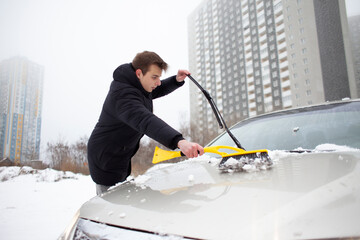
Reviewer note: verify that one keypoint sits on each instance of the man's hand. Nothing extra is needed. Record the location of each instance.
(181, 75)
(190, 149)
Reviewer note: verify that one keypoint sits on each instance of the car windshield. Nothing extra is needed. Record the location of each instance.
(303, 128)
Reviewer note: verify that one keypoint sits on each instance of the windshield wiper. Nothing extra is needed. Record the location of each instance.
(216, 111)
(301, 151)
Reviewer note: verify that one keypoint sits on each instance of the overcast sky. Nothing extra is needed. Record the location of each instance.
(81, 42)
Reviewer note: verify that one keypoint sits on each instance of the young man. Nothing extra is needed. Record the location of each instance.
(127, 115)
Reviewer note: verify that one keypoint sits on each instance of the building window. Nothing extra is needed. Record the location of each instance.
(276, 93)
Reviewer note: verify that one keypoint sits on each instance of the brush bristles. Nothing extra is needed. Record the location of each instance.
(246, 162)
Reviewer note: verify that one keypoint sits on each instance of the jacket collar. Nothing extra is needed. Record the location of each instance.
(125, 73)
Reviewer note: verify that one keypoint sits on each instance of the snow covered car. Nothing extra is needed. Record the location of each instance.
(312, 190)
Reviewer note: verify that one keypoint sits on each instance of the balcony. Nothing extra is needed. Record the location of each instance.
(286, 93)
(252, 105)
(267, 90)
(266, 81)
(284, 64)
(251, 88)
(283, 55)
(262, 39)
(281, 36)
(284, 74)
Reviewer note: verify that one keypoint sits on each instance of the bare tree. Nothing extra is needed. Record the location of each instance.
(67, 157)
(78, 151)
(58, 153)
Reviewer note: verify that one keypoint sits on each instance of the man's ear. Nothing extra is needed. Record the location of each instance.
(138, 73)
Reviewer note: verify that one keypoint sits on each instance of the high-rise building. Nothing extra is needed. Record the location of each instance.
(257, 56)
(21, 88)
(354, 34)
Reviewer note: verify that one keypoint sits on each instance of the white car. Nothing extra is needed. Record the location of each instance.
(311, 191)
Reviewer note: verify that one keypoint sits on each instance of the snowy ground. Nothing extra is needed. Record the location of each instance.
(39, 205)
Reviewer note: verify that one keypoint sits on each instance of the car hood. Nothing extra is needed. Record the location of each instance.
(309, 195)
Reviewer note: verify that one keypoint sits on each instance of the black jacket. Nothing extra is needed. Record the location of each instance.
(125, 117)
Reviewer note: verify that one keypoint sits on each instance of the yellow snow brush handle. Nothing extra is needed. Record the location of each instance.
(161, 155)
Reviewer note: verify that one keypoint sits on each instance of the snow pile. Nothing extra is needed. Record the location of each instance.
(262, 162)
(141, 180)
(334, 147)
(46, 175)
(42, 202)
(213, 161)
(246, 164)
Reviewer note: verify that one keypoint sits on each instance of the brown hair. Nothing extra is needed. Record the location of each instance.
(144, 59)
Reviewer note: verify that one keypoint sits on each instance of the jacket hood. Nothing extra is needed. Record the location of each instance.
(125, 73)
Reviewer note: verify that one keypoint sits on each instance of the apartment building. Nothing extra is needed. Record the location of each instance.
(258, 56)
(354, 35)
(21, 88)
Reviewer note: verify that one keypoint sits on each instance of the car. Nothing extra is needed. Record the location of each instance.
(310, 190)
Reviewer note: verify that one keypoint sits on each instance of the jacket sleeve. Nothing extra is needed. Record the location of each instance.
(130, 109)
(167, 86)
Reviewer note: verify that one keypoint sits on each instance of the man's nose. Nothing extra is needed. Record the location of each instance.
(158, 83)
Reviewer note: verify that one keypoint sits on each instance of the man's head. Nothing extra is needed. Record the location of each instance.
(148, 68)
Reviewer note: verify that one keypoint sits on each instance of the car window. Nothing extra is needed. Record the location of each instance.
(304, 128)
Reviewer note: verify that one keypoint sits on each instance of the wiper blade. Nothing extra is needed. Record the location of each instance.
(216, 111)
(301, 151)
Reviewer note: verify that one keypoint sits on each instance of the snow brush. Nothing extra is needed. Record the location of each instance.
(243, 156)
(161, 155)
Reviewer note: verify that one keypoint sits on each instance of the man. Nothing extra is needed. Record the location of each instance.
(127, 115)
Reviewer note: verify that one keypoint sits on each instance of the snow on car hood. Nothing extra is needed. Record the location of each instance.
(310, 195)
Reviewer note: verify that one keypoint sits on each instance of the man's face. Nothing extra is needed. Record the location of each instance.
(151, 79)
